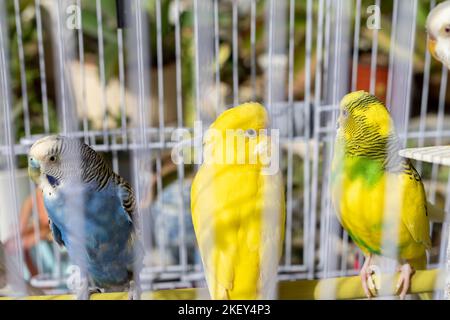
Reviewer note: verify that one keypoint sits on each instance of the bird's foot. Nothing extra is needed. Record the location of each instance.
(404, 280)
(370, 281)
(81, 287)
(84, 291)
(78, 282)
(134, 292)
(85, 294)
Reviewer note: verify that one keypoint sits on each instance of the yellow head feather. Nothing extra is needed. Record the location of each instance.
(246, 116)
(228, 139)
(362, 111)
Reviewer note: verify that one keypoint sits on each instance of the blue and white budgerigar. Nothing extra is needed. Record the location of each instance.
(91, 212)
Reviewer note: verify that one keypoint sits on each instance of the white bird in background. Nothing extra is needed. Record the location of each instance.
(438, 29)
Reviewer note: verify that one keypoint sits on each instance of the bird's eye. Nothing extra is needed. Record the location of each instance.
(344, 113)
(251, 133)
(447, 29)
(52, 158)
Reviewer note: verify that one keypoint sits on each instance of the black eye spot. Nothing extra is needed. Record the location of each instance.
(345, 113)
(250, 133)
(52, 158)
(447, 29)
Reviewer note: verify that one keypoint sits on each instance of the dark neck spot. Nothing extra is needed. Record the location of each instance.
(53, 181)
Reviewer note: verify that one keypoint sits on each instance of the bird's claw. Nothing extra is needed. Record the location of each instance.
(134, 292)
(404, 280)
(370, 282)
(84, 291)
(85, 294)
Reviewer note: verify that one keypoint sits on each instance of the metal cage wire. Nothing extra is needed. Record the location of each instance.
(138, 144)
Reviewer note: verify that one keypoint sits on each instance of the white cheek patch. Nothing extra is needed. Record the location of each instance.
(47, 189)
(443, 51)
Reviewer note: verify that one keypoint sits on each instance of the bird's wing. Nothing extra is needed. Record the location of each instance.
(207, 208)
(126, 195)
(228, 208)
(128, 200)
(273, 233)
(56, 233)
(415, 215)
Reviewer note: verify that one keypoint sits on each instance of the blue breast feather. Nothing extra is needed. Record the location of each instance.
(101, 245)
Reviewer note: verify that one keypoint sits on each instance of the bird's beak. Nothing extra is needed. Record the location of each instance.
(34, 169)
(432, 46)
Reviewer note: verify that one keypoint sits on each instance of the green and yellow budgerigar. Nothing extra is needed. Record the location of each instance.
(238, 210)
(378, 196)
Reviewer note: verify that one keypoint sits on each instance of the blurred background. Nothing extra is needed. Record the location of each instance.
(124, 79)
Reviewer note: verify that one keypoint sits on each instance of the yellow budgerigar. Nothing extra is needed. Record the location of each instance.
(238, 208)
(378, 196)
